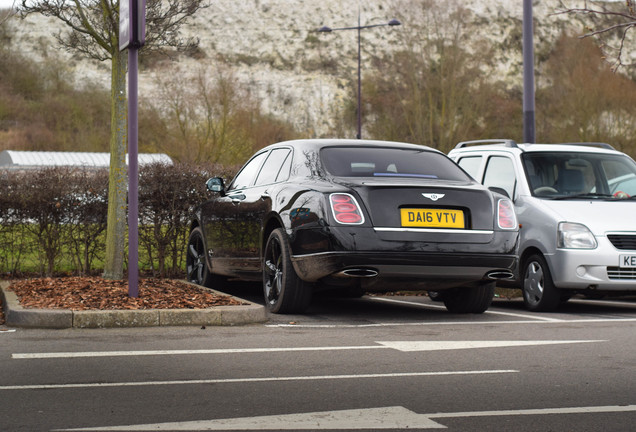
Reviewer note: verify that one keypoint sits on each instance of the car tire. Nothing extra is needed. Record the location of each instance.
(466, 300)
(197, 270)
(283, 290)
(539, 292)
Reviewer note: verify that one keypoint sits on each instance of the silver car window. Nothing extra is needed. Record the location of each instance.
(500, 173)
(471, 165)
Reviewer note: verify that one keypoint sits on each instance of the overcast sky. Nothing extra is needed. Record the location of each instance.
(5, 4)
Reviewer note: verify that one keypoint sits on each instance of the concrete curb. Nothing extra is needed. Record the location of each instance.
(18, 316)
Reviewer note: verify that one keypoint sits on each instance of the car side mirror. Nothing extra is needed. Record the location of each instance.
(499, 190)
(216, 184)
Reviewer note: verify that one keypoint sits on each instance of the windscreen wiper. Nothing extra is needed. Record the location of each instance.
(584, 196)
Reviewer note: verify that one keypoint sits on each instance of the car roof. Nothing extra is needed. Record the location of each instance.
(319, 143)
(481, 145)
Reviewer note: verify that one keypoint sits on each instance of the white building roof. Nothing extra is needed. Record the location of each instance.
(39, 159)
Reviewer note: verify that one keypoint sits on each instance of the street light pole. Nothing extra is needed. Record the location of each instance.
(529, 133)
(359, 134)
(359, 28)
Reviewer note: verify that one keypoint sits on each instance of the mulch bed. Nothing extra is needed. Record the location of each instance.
(85, 293)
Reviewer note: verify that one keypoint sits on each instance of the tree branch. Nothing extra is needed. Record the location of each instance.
(626, 18)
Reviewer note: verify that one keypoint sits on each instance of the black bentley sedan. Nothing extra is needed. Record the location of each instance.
(354, 216)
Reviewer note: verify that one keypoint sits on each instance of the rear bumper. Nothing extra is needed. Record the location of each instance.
(456, 257)
(434, 267)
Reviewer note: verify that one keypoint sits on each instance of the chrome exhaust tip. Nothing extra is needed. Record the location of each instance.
(499, 274)
(358, 273)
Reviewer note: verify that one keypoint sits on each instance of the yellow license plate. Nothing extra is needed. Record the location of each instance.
(432, 218)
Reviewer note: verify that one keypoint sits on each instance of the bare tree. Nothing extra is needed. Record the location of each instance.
(608, 21)
(572, 109)
(432, 90)
(212, 117)
(92, 30)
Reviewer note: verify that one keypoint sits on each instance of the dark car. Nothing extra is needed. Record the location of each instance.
(354, 216)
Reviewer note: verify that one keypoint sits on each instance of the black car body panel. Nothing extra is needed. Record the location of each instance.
(378, 242)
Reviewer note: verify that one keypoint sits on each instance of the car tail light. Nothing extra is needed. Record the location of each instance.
(345, 209)
(506, 217)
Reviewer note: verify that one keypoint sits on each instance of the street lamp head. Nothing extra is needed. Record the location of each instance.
(325, 29)
(394, 22)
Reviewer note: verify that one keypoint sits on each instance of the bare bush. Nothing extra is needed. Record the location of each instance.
(167, 197)
(41, 205)
(12, 240)
(86, 212)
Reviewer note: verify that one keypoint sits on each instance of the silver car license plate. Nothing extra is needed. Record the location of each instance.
(627, 261)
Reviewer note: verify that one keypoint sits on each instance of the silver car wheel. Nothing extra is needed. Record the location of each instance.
(539, 292)
(533, 284)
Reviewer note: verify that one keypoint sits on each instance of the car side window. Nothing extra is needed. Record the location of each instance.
(500, 173)
(283, 174)
(620, 175)
(245, 177)
(272, 166)
(471, 165)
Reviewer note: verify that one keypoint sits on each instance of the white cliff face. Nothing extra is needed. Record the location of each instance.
(298, 74)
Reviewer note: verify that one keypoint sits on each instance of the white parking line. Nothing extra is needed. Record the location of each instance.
(454, 323)
(396, 345)
(253, 380)
(540, 411)
(524, 316)
(624, 304)
(382, 418)
(490, 312)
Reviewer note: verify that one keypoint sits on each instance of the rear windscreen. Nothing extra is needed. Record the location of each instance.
(389, 162)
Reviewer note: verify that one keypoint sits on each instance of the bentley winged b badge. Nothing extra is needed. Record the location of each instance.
(433, 196)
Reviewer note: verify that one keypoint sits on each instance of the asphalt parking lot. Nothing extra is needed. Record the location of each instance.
(418, 310)
(375, 363)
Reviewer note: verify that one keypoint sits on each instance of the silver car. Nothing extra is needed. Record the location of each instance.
(576, 205)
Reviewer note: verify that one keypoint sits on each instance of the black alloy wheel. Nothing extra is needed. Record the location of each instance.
(283, 290)
(196, 266)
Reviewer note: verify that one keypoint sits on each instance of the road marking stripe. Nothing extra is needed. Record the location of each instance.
(525, 316)
(418, 304)
(624, 304)
(538, 411)
(413, 346)
(252, 380)
(393, 417)
(456, 323)
(51, 355)
(396, 345)
(491, 312)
